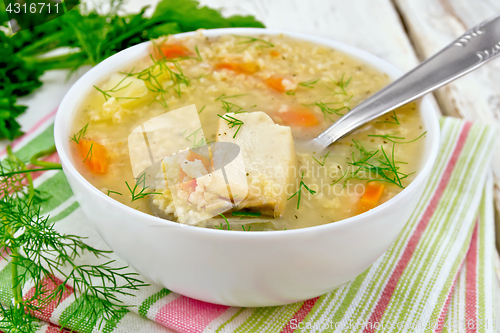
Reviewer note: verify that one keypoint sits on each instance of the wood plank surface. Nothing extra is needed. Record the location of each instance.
(432, 24)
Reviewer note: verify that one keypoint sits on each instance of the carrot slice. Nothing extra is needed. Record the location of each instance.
(275, 83)
(171, 51)
(299, 116)
(241, 68)
(371, 197)
(94, 156)
(274, 53)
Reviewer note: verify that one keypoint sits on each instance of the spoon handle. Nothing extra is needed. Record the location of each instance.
(473, 49)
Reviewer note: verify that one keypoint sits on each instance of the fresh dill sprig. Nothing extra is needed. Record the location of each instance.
(299, 191)
(38, 252)
(290, 92)
(327, 110)
(248, 229)
(201, 110)
(394, 117)
(79, 135)
(231, 107)
(196, 143)
(227, 222)
(342, 84)
(338, 180)
(250, 39)
(162, 66)
(309, 83)
(110, 191)
(384, 168)
(232, 122)
(395, 139)
(245, 214)
(324, 159)
(107, 93)
(199, 58)
(223, 96)
(141, 182)
(89, 153)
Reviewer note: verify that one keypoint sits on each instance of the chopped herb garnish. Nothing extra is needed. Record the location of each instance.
(394, 117)
(324, 159)
(107, 93)
(250, 39)
(232, 122)
(309, 83)
(223, 96)
(89, 154)
(141, 181)
(198, 53)
(385, 167)
(151, 74)
(299, 191)
(80, 134)
(201, 110)
(231, 107)
(327, 110)
(395, 139)
(109, 192)
(342, 84)
(290, 92)
(196, 143)
(249, 214)
(335, 182)
(248, 229)
(227, 222)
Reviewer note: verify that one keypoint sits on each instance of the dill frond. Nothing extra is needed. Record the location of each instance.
(79, 135)
(299, 191)
(232, 122)
(309, 83)
(249, 40)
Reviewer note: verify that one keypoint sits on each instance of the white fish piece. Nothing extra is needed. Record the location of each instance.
(269, 160)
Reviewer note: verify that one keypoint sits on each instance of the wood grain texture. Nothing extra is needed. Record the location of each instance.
(432, 24)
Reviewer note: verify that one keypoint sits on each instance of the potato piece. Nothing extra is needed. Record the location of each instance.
(269, 157)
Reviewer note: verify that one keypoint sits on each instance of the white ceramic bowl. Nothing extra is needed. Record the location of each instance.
(242, 268)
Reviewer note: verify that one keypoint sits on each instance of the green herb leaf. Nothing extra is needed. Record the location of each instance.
(247, 214)
(308, 84)
(299, 191)
(324, 159)
(232, 122)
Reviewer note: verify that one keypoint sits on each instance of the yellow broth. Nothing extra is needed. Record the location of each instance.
(324, 82)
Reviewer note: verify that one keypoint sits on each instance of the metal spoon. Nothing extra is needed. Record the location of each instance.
(470, 51)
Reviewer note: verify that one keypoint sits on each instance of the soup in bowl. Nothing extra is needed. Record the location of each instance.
(185, 153)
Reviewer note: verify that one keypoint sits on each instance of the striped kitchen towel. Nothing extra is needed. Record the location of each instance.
(437, 277)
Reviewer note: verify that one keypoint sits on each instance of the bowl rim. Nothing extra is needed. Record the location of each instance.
(121, 59)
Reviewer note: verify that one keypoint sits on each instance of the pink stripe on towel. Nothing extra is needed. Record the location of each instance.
(188, 315)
